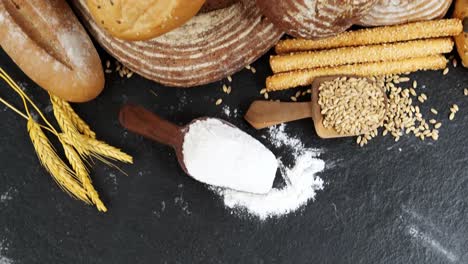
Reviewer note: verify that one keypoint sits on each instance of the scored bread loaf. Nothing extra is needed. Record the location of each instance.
(45, 39)
(386, 12)
(207, 48)
(142, 19)
(314, 18)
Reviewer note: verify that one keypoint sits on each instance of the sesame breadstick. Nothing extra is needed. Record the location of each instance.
(286, 80)
(350, 55)
(377, 35)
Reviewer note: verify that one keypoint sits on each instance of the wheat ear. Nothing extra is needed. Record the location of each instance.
(86, 145)
(103, 149)
(82, 173)
(76, 120)
(67, 127)
(61, 173)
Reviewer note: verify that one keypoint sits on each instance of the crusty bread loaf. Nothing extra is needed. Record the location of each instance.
(314, 18)
(142, 19)
(207, 48)
(386, 12)
(45, 39)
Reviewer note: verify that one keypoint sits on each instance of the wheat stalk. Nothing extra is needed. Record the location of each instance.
(77, 139)
(86, 145)
(68, 111)
(82, 173)
(61, 173)
(63, 121)
(67, 127)
(103, 149)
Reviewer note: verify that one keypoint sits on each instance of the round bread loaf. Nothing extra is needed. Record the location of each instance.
(142, 19)
(386, 12)
(314, 18)
(211, 5)
(45, 39)
(207, 48)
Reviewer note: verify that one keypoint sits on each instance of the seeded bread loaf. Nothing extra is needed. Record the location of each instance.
(314, 18)
(142, 19)
(45, 39)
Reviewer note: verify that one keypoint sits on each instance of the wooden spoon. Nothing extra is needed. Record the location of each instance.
(145, 123)
(262, 114)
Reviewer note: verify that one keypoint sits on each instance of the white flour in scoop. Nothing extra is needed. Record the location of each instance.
(301, 181)
(222, 155)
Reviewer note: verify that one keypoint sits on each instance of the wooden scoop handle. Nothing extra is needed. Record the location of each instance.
(263, 114)
(143, 122)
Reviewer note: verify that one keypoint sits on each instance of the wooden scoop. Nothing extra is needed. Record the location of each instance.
(262, 114)
(145, 123)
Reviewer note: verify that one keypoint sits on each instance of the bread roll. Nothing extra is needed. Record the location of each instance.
(142, 19)
(45, 39)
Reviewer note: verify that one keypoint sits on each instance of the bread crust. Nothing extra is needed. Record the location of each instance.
(45, 39)
(314, 18)
(211, 5)
(208, 48)
(143, 19)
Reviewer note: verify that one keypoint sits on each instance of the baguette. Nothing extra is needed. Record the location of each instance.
(45, 39)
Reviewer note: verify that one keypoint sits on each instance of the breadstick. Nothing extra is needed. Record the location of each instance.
(350, 55)
(286, 80)
(377, 35)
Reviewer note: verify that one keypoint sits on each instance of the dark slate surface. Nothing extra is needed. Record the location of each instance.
(403, 202)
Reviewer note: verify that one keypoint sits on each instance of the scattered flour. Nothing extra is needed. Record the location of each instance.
(183, 100)
(75, 46)
(163, 207)
(226, 110)
(230, 113)
(113, 180)
(5, 260)
(279, 138)
(179, 201)
(6, 196)
(49, 108)
(3, 250)
(437, 238)
(301, 181)
(23, 86)
(431, 242)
